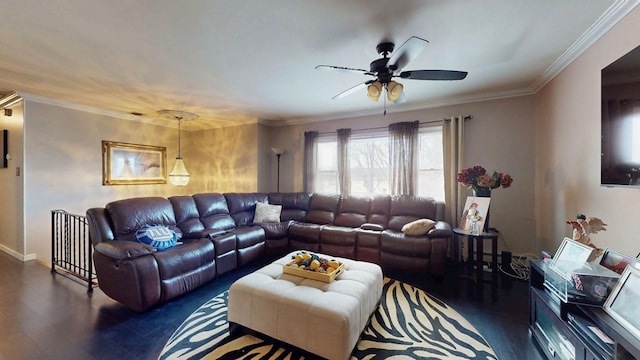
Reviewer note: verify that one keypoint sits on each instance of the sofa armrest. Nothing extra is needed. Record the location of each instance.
(122, 249)
(441, 229)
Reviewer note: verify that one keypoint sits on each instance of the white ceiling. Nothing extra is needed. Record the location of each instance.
(233, 62)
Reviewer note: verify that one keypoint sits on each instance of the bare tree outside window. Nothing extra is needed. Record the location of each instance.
(370, 166)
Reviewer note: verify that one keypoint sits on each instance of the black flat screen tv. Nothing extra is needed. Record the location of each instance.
(620, 131)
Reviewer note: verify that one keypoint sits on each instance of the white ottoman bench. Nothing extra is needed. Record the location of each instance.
(325, 319)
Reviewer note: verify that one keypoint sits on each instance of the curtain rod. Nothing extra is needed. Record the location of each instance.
(466, 117)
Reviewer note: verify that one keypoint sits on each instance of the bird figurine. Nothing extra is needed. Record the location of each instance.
(583, 227)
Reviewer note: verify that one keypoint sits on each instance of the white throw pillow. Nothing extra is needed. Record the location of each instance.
(266, 213)
(419, 227)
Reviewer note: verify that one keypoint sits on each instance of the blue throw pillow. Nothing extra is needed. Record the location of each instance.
(158, 236)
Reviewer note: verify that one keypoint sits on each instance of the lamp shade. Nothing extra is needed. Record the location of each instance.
(373, 90)
(394, 90)
(179, 175)
(278, 151)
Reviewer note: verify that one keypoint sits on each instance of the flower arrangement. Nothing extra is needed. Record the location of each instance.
(477, 179)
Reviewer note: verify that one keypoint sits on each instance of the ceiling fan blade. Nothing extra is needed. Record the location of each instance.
(342, 68)
(433, 75)
(407, 52)
(352, 90)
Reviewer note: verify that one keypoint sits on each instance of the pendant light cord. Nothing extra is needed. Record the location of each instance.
(179, 134)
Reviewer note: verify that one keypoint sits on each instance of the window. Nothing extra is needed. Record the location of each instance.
(327, 174)
(369, 161)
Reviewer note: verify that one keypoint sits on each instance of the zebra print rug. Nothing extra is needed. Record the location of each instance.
(408, 324)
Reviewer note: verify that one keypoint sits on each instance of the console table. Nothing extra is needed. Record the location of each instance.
(558, 338)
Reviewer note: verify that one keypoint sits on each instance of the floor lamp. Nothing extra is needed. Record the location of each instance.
(278, 152)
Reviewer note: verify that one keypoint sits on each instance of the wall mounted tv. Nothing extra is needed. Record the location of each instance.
(620, 131)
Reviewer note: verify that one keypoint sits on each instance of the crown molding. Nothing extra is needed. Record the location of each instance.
(447, 101)
(605, 22)
(79, 107)
(9, 100)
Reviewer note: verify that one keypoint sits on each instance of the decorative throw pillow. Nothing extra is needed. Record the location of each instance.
(267, 213)
(419, 227)
(158, 236)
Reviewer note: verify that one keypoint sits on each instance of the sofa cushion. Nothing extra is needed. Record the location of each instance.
(294, 205)
(187, 216)
(352, 211)
(158, 236)
(242, 206)
(322, 209)
(267, 213)
(405, 209)
(129, 215)
(418, 227)
(213, 210)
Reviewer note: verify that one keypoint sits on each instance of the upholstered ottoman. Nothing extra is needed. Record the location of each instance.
(325, 319)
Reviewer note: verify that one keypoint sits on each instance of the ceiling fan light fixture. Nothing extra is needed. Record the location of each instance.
(374, 90)
(394, 90)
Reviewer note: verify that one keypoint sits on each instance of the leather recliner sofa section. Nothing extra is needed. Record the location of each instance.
(219, 236)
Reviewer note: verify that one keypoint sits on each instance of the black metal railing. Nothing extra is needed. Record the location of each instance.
(71, 247)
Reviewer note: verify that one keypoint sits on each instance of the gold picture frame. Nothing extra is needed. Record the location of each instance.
(133, 164)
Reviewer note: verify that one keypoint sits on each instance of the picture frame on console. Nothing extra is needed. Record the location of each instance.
(622, 304)
(133, 164)
(571, 250)
(616, 261)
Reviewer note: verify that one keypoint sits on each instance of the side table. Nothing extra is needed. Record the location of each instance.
(478, 259)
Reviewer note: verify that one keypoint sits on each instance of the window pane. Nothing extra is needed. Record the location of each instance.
(327, 179)
(369, 159)
(327, 155)
(431, 164)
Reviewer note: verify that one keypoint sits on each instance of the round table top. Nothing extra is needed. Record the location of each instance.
(488, 234)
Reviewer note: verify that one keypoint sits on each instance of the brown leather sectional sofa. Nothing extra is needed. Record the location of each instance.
(218, 236)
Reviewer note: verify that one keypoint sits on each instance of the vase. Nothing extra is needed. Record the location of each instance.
(484, 192)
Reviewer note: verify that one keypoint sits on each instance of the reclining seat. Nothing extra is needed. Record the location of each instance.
(305, 235)
(294, 208)
(426, 253)
(250, 238)
(215, 218)
(136, 274)
(339, 239)
(368, 236)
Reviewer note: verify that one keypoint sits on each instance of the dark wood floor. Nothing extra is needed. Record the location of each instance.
(48, 316)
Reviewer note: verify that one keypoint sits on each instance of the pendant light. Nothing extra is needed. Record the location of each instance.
(179, 175)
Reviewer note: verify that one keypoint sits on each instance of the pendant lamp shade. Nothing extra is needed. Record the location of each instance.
(179, 175)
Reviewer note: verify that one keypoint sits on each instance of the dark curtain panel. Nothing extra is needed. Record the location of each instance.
(310, 160)
(403, 157)
(344, 168)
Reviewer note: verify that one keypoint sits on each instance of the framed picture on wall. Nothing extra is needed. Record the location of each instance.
(127, 164)
(622, 304)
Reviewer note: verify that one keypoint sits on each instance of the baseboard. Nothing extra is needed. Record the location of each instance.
(16, 254)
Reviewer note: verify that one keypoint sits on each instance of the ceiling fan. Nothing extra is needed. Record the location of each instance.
(386, 68)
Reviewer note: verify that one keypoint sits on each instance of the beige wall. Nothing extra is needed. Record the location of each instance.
(500, 137)
(63, 165)
(11, 215)
(223, 160)
(567, 167)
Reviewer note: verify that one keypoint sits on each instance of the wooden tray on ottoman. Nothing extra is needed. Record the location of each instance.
(287, 269)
